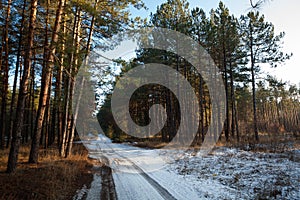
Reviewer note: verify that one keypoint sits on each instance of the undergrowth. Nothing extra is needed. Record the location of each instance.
(52, 178)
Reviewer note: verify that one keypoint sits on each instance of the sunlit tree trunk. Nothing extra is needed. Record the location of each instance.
(57, 118)
(88, 46)
(67, 121)
(33, 158)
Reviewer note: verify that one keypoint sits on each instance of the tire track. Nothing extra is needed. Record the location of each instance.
(160, 189)
(108, 190)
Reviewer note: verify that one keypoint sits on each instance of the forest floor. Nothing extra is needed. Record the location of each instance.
(52, 178)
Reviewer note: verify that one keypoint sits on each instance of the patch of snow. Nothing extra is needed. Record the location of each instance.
(80, 193)
(95, 191)
(229, 173)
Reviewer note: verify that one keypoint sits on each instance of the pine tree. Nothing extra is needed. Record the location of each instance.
(264, 47)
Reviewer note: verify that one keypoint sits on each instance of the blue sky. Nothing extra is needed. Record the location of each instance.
(284, 14)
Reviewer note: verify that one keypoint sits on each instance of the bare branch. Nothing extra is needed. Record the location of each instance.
(257, 4)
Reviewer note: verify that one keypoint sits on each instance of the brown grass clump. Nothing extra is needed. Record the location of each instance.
(52, 178)
(268, 143)
(150, 144)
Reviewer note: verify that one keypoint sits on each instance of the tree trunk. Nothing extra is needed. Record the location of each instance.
(201, 88)
(68, 90)
(253, 85)
(57, 124)
(32, 101)
(5, 77)
(33, 158)
(2, 136)
(18, 124)
(235, 125)
(226, 127)
(254, 104)
(69, 148)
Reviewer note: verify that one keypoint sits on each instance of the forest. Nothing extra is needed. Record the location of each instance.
(44, 43)
(256, 103)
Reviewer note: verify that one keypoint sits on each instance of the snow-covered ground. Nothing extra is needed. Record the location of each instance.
(229, 173)
(226, 173)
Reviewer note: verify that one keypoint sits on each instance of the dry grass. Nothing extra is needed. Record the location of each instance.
(271, 143)
(52, 178)
(268, 143)
(150, 144)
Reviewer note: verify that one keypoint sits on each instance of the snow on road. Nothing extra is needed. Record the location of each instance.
(147, 169)
(139, 173)
(177, 174)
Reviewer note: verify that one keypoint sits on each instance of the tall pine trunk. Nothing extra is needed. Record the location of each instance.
(75, 115)
(234, 121)
(33, 157)
(5, 76)
(57, 118)
(253, 85)
(67, 117)
(18, 124)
